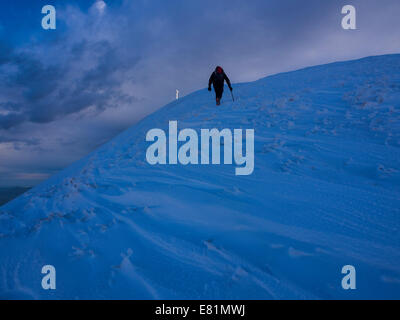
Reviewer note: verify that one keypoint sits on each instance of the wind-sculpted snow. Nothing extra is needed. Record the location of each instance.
(324, 193)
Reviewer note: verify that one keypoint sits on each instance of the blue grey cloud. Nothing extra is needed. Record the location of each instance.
(42, 93)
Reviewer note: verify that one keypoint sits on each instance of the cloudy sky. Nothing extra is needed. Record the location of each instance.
(109, 63)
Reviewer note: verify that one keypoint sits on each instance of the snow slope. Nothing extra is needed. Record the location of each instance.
(324, 194)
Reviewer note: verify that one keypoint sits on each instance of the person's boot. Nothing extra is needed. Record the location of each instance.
(218, 101)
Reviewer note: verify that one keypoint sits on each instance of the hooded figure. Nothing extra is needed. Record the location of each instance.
(217, 79)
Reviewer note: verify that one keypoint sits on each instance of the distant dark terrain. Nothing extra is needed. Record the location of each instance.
(7, 194)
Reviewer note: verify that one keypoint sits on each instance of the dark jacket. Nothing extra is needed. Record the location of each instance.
(218, 78)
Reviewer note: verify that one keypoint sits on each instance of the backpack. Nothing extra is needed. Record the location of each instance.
(218, 79)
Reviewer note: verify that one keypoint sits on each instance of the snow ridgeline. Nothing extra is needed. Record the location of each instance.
(324, 194)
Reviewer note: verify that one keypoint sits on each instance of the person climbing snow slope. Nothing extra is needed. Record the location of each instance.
(217, 79)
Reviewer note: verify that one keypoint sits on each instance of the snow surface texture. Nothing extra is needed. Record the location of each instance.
(324, 194)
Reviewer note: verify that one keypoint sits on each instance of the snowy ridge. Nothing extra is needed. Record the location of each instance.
(324, 194)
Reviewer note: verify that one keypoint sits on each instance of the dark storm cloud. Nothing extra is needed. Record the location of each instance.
(10, 120)
(31, 142)
(42, 93)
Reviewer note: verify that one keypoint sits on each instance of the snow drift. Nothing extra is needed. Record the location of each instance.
(324, 193)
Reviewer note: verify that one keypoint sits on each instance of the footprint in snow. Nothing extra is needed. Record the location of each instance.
(388, 279)
(294, 253)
